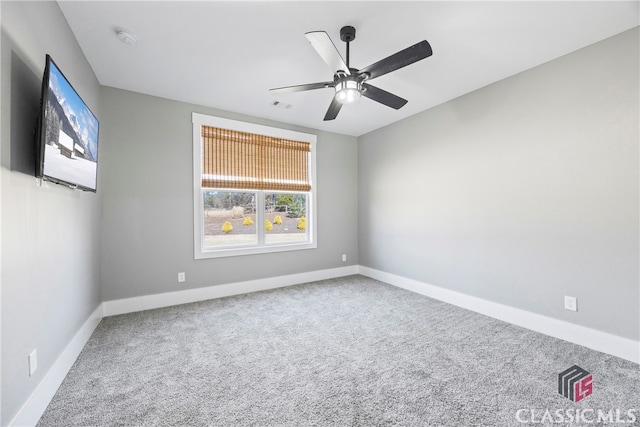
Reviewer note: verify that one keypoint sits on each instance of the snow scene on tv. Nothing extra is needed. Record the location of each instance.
(71, 149)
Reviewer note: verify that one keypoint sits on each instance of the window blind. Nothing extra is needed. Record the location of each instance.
(242, 160)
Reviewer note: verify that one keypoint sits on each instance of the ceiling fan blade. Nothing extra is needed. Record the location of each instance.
(399, 59)
(383, 97)
(334, 109)
(327, 50)
(300, 88)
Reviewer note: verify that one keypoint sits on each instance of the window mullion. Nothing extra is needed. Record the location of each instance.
(260, 217)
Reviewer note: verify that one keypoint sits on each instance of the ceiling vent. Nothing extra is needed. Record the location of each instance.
(282, 105)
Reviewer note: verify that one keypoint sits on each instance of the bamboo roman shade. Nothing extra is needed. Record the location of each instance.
(242, 160)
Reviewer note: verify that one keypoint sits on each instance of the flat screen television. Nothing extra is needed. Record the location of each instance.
(66, 134)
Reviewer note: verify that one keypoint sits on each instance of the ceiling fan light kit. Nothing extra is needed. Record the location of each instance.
(348, 90)
(349, 83)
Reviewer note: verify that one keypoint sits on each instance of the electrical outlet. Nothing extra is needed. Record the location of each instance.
(33, 362)
(181, 277)
(344, 257)
(571, 303)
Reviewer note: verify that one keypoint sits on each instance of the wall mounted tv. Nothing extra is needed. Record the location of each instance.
(66, 134)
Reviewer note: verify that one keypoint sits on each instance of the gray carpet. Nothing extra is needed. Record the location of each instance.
(343, 352)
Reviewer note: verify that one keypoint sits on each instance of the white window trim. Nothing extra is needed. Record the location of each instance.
(200, 252)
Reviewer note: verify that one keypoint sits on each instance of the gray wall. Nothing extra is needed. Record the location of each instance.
(519, 193)
(147, 226)
(50, 235)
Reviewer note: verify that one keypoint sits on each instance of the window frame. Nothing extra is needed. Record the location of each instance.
(200, 252)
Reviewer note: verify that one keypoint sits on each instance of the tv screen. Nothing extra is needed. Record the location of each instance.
(67, 137)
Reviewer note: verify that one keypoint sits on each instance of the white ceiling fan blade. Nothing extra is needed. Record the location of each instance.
(327, 50)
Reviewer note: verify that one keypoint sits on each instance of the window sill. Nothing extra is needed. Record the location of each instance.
(253, 250)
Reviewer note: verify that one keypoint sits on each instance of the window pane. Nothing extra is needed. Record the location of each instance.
(285, 217)
(229, 218)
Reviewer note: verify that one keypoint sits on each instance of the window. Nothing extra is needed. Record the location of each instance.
(254, 188)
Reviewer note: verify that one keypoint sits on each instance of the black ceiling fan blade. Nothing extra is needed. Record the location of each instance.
(399, 59)
(327, 50)
(383, 97)
(334, 109)
(300, 88)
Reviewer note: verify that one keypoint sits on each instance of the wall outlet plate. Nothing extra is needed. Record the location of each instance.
(571, 303)
(181, 277)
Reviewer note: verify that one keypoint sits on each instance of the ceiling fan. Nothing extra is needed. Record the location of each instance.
(349, 83)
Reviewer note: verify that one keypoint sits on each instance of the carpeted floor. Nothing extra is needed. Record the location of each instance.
(344, 352)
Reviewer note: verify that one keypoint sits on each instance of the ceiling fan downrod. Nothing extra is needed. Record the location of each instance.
(347, 35)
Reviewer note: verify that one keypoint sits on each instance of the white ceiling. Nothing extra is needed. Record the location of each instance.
(228, 55)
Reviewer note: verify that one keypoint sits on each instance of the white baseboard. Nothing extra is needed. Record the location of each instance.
(35, 406)
(148, 302)
(604, 342)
